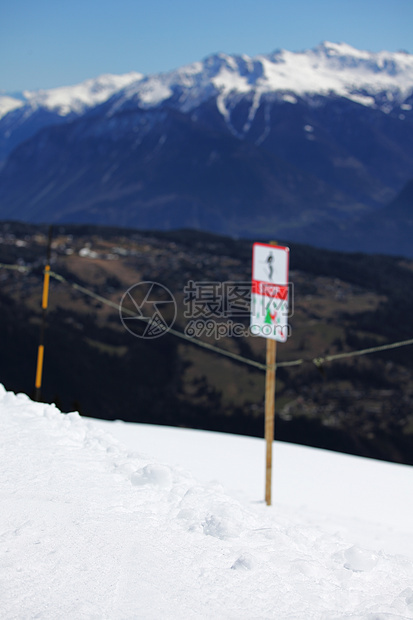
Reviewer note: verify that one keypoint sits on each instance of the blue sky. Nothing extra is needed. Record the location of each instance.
(48, 43)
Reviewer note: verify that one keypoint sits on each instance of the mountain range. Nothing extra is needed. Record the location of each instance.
(313, 146)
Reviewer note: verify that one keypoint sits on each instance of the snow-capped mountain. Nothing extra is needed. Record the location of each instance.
(298, 139)
(382, 79)
(21, 116)
(68, 99)
(328, 69)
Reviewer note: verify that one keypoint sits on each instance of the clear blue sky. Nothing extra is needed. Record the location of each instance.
(48, 43)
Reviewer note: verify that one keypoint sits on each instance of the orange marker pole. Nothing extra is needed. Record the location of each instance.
(45, 299)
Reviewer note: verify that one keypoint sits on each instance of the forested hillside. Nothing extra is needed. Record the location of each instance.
(342, 303)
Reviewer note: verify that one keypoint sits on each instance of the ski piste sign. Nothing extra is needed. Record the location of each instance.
(269, 293)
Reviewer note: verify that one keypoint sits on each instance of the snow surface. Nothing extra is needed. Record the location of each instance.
(90, 530)
(364, 498)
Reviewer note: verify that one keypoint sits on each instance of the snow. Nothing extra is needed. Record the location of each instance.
(89, 529)
(7, 104)
(341, 70)
(229, 80)
(329, 69)
(154, 92)
(367, 499)
(77, 98)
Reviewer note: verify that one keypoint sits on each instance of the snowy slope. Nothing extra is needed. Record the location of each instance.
(364, 498)
(90, 531)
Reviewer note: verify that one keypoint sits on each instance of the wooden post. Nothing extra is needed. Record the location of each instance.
(45, 299)
(269, 413)
(269, 410)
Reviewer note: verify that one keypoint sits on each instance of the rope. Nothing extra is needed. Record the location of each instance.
(317, 361)
(15, 267)
(175, 332)
(84, 290)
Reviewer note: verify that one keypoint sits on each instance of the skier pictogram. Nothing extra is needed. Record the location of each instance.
(269, 261)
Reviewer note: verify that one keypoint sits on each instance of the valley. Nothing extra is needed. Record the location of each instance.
(342, 303)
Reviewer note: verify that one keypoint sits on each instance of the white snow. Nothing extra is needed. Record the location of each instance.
(7, 104)
(229, 80)
(329, 69)
(77, 98)
(338, 69)
(154, 92)
(364, 498)
(90, 530)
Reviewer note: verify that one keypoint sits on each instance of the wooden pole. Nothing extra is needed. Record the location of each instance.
(269, 410)
(269, 414)
(45, 298)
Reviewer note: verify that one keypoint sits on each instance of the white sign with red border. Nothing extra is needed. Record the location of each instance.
(269, 293)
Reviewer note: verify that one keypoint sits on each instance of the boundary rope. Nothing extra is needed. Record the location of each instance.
(15, 267)
(172, 331)
(317, 361)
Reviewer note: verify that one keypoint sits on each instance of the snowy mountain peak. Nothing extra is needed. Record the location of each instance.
(340, 49)
(65, 100)
(346, 51)
(329, 69)
(7, 104)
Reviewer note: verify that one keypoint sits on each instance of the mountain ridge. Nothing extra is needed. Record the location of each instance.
(225, 144)
(375, 70)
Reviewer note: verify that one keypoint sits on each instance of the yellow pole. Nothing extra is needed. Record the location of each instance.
(45, 296)
(45, 299)
(39, 368)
